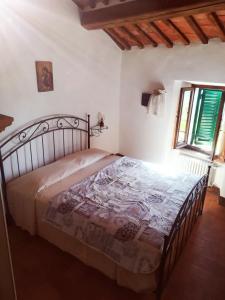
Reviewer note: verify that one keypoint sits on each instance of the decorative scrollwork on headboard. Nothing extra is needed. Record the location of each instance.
(51, 132)
(27, 134)
(43, 126)
(62, 122)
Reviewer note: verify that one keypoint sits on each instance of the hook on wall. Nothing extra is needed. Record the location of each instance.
(154, 100)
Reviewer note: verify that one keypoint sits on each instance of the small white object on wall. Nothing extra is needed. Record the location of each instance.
(157, 101)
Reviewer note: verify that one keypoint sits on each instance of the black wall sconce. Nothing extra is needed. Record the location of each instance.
(145, 99)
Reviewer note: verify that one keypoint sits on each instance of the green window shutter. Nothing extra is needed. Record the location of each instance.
(207, 110)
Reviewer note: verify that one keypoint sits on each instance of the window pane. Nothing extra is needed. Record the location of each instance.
(184, 117)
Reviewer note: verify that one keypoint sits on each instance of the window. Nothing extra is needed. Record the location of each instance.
(199, 118)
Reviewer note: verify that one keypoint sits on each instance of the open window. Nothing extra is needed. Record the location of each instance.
(199, 118)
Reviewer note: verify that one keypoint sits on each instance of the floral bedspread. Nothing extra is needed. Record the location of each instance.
(123, 211)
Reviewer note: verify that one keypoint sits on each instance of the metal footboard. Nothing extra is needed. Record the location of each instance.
(181, 230)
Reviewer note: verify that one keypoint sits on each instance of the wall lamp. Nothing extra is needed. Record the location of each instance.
(100, 127)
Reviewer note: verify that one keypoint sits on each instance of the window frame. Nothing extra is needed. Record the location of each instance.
(185, 144)
(179, 115)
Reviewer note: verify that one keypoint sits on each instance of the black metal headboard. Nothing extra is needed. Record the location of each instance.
(41, 142)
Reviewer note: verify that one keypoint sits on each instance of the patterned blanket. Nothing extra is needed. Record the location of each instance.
(123, 211)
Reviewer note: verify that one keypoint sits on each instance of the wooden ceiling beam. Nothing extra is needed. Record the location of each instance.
(147, 36)
(132, 36)
(117, 38)
(92, 3)
(162, 35)
(138, 10)
(79, 4)
(219, 25)
(197, 29)
(177, 30)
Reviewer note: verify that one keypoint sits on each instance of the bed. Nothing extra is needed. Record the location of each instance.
(127, 218)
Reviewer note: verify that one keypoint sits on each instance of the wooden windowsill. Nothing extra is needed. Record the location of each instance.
(219, 161)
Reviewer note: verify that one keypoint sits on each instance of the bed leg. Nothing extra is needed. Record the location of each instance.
(205, 190)
(162, 271)
(203, 201)
(158, 294)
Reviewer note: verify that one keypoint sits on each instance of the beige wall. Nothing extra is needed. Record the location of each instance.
(86, 66)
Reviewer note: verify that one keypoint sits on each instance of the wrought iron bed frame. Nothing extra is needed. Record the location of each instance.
(185, 220)
(38, 129)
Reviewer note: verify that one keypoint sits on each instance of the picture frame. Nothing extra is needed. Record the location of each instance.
(44, 71)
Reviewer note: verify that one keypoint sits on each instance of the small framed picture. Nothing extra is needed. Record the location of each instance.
(44, 76)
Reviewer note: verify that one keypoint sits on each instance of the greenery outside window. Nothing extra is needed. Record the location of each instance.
(199, 118)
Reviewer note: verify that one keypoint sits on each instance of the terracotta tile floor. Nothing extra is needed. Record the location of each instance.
(44, 272)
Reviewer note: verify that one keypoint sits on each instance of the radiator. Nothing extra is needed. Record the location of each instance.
(194, 165)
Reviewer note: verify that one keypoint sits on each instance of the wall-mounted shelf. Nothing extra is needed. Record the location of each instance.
(5, 121)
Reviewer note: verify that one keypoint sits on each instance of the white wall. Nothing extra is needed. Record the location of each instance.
(149, 137)
(86, 65)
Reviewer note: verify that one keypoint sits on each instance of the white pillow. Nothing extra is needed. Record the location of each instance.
(46, 176)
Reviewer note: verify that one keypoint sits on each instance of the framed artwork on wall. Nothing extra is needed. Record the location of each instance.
(44, 72)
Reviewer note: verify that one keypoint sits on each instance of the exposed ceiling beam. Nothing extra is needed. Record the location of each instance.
(137, 10)
(162, 35)
(92, 3)
(219, 25)
(174, 27)
(116, 40)
(132, 36)
(147, 36)
(79, 4)
(197, 29)
(116, 37)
